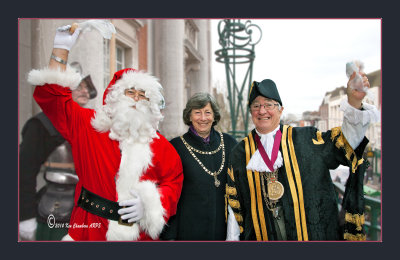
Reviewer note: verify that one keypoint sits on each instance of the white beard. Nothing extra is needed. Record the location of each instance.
(128, 124)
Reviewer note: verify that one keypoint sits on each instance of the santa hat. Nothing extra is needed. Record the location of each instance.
(139, 80)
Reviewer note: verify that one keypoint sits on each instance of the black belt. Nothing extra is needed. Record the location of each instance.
(100, 206)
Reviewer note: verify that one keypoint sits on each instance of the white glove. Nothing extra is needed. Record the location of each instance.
(64, 39)
(27, 229)
(134, 208)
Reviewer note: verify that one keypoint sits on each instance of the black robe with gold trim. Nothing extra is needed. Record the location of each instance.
(200, 213)
(309, 202)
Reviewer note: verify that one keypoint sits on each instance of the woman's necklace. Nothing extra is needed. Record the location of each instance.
(215, 174)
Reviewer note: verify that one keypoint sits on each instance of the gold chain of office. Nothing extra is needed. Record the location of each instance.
(275, 191)
(221, 146)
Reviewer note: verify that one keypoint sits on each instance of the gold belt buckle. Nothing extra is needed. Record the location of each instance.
(120, 221)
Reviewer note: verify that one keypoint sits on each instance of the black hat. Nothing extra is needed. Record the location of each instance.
(265, 88)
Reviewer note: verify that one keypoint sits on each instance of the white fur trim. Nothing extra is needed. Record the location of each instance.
(135, 159)
(117, 232)
(153, 219)
(68, 78)
(140, 81)
(67, 237)
(101, 121)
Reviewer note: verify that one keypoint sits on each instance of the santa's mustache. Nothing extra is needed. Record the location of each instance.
(128, 120)
(132, 120)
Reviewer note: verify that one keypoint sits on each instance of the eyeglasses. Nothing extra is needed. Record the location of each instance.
(267, 106)
(135, 94)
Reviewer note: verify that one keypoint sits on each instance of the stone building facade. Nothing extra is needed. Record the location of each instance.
(177, 51)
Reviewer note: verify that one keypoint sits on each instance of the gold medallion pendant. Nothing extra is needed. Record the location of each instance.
(275, 190)
(216, 181)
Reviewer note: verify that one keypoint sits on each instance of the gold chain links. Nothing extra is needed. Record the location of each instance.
(214, 174)
(271, 204)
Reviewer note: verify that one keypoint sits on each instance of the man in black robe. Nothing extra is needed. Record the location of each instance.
(279, 186)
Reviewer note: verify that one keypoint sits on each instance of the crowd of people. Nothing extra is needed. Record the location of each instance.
(133, 184)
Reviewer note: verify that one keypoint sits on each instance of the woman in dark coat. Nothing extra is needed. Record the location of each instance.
(204, 153)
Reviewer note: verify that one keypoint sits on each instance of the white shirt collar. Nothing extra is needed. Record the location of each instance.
(256, 162)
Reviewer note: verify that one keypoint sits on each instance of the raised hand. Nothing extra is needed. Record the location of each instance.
(354, 96)
(64, 39)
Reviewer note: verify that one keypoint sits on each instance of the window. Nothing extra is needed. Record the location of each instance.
(120, 58)
(106, 64)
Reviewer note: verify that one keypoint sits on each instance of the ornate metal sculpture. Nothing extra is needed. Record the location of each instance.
(238, 42)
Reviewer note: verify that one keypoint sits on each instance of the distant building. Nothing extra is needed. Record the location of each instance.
(374, 133)
(309, 118)
(335, 115)
(331, 115)
(323, 112)
(290, 119)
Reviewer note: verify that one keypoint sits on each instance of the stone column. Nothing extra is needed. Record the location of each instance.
(169, 68)
(25, 91)
(150, 45)
(203, 75)
(113, 65)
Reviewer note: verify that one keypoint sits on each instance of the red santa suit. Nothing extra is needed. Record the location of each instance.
(111, 166)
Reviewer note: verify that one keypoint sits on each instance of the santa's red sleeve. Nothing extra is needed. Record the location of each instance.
(53, 95)
(160, 198)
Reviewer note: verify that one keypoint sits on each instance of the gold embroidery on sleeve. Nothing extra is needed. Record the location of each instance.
(226, 208)
(360, 161)
(230, 173)
(234, 203)
(334, 132)
(238, 217)
(231, 190)
(319, 139)
(341, 142)
(351, 237)
(356, 219)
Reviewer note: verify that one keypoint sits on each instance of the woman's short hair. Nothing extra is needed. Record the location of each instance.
(198, 101)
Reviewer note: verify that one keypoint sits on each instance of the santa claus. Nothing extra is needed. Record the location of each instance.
(130, 176)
